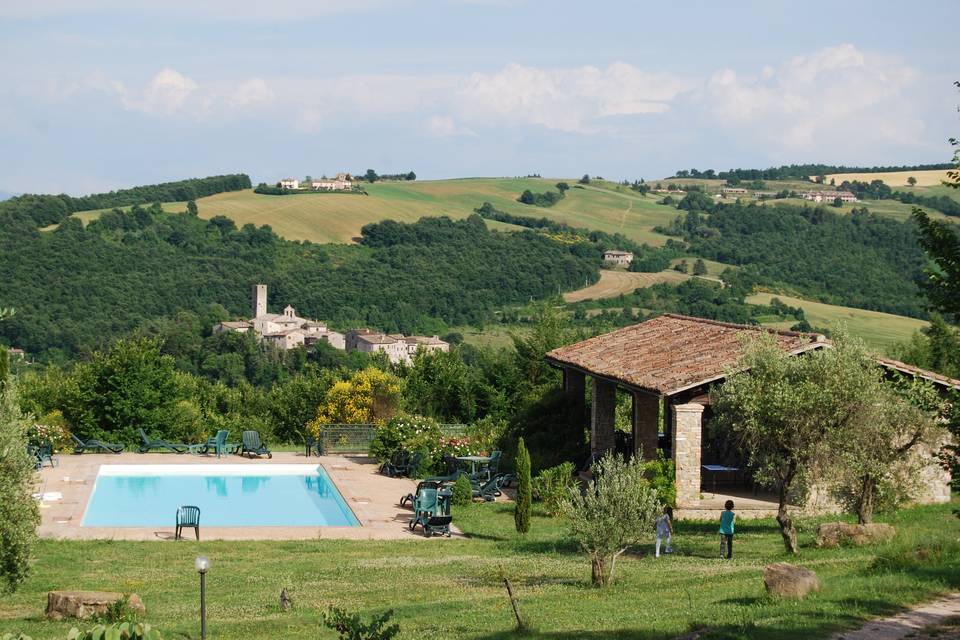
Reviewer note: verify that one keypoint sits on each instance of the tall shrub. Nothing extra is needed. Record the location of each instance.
(524, 490)
(19, 515)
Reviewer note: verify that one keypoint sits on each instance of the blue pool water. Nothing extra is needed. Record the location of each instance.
(228, 496)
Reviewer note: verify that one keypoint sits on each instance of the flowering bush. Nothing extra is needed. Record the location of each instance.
(423, 435)
(51, 428)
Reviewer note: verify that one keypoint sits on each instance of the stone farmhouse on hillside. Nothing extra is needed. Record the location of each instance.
(619, 258)
(673, 361)
(290, 183)
(399, 348)
(828, 196)
(285, 330)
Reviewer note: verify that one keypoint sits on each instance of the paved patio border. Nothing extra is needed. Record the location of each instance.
(373, 498)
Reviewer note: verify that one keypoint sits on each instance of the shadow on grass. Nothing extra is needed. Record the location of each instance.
(702, 527)
(937, 561)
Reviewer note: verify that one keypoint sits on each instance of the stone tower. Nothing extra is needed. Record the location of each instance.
(259, 300)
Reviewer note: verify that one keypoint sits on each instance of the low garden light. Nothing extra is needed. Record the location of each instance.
(202, 565)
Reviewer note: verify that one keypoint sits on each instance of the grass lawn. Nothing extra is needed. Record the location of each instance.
(453, 588)
(878, 329)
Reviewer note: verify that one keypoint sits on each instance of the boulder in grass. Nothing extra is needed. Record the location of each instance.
(86, 604)
(788, 580)
(832, 534)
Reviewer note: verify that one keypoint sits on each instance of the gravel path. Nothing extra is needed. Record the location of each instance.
(912, 623)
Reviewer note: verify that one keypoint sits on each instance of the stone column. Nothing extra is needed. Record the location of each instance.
(646, 424)
(602, 416)
(575, 388)
(687, 436)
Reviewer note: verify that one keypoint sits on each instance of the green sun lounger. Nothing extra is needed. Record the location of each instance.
(95, 445)
(252, 445)
(217, 444)
(146, 444)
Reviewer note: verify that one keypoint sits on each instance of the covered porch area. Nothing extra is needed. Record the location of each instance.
(666, 366)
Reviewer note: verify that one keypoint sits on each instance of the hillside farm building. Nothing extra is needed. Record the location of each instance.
(399, 348)
(619, 258)
(828, 196)
(668, 365)
(331, 184)
(290, 183)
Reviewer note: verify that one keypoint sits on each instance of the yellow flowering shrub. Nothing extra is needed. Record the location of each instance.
(370, 396)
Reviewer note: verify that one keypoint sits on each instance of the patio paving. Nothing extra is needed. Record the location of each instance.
(374, 499)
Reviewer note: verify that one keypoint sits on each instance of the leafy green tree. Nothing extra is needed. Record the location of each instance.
(527, 197)
(19, 515)
(585, 179)
(563, 187)
(616, 512)
(699, 267)
(877, 451)
(192, 209)
(371, 176)
(521, 514)
(838, 202)
(781, 410)
(912, 181)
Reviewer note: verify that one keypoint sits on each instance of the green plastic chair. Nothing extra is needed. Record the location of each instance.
(94, 445)
(146, 444)
(187, 517)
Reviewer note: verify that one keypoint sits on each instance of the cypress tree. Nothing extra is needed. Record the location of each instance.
(524, 494)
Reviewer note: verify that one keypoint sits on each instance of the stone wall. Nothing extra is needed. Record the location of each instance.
(687, 442)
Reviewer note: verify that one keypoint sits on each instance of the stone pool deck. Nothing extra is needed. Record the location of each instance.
(374, 499)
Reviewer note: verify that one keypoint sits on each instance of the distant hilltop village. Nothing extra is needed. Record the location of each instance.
(290, 331)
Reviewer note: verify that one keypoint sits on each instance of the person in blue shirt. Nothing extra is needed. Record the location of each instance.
(727, 519)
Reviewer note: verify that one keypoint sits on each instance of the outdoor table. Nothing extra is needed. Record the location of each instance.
(474, 461)
(718, 468)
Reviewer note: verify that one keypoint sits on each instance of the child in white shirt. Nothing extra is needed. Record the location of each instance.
(665, 531)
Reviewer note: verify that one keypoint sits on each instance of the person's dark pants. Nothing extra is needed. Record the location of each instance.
(726, 545)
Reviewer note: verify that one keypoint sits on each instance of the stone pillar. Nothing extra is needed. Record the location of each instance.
(687, 436)
(602, 416)
(646, 424)
(575, 388)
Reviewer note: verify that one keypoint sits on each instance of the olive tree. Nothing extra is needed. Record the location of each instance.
(616, 512)
(19, 515)
(878, 457)
(782, 408)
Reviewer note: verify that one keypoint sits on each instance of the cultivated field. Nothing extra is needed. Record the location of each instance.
(894, 178)
(880, 330)
(614, 283)
(339, 217)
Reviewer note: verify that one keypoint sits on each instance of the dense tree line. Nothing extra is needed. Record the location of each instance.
(44, 210)
(800, 171)
(879, 190)
(545, 199)
(859, 260)
(78, 288)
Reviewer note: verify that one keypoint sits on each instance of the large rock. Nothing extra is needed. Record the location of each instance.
(832, 534)
(785, 579)
(85, 604)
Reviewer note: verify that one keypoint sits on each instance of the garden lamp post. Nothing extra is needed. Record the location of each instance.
(202, 564)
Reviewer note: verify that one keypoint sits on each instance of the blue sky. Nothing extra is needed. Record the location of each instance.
(101, 94)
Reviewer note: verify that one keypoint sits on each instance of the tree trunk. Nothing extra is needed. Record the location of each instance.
(597, 571)
(865, 501)
(787, 530)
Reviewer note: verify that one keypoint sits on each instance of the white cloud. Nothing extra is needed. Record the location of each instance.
(251, 93)
(572, 99)
(445, 127)
(834, 96)
(164, 94)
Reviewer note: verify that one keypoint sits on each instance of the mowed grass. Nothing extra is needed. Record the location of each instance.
(880, 330)
(333, 217)
(453, 588)
(894, 178)
(614, 283)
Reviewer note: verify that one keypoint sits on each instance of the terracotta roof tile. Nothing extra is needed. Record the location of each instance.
(671, 353)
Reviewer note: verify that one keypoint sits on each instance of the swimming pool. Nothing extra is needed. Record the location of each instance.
(229, 495)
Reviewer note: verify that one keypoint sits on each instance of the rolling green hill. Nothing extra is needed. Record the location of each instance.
(333, 217)
(880, 330)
